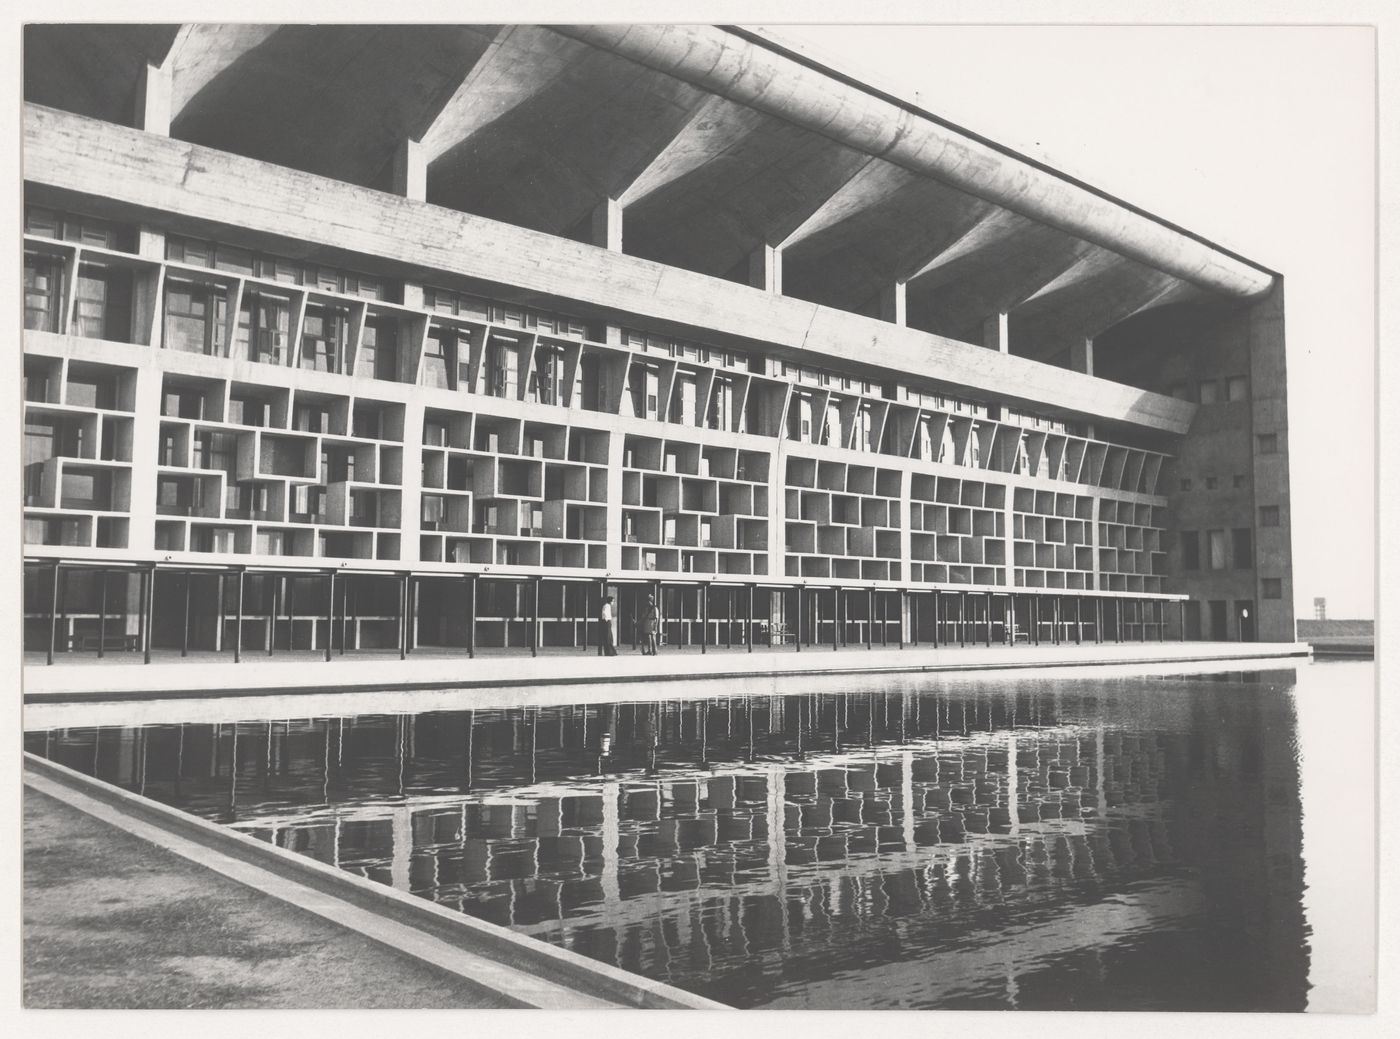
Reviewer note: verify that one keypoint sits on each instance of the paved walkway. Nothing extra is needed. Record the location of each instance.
(166, 909)
(209, 674)
(113, 921)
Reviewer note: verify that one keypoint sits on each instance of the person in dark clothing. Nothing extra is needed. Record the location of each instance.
(651, 626)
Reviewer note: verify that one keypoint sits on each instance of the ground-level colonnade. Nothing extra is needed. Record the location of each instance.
(91, 607)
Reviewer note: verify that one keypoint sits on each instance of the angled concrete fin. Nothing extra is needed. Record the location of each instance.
(712, 128)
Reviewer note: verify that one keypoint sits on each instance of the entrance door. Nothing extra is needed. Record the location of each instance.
(1218, 623)
(1244, 616)
(1193, 621)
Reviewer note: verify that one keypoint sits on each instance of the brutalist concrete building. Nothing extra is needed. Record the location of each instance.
(350, 337)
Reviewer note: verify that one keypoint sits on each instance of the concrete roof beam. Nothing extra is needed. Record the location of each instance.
(713, 128)
(1001, 262)
(202, 53)
(343, 94)
(760, 180)
(546, 129)
(762, 76)
(518, 62)
(887, 227)
(1096, 293)
(92, 70)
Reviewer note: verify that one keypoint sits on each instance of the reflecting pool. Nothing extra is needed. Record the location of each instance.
(917, 843)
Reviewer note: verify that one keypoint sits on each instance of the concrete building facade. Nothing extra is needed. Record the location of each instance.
(396, 336)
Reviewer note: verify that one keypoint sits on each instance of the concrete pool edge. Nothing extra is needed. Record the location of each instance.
(77, 682)
(526, 972)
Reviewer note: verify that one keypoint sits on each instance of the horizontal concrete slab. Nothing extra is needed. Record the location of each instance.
(202, 189)
(223, 678)
(65, 713)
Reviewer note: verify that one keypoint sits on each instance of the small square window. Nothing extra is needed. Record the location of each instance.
(1210, 392)
(1273, 587)
(1268, 515)
(1183, 392)
(1237, 388)
(1185, 485)
(1211, 483)
(1238, 481)
(1268, 443)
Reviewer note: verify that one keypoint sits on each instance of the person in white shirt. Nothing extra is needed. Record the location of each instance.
(609, 635)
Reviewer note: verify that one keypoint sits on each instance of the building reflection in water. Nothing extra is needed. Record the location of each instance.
(1091, 845)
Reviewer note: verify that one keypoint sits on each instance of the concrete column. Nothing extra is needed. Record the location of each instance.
(906, 537)
(893, 303)
(1097, 576)
(145, 444)
(146, 289)
(606, 225)
(613, 504)
(410, 171)
(411, 481)
(766, 269)
(1081, 356)
(777, 508)
(996, 333)
(153, 104)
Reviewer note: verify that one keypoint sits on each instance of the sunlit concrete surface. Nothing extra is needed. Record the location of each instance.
(208, 675)
(519, 972)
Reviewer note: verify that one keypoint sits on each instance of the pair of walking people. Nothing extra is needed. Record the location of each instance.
(651, 628)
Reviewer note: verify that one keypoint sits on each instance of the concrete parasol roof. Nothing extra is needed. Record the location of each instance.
(711, 143)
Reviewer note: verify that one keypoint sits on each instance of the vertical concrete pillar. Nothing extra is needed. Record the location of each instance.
(893, 299)
(1081, 356)
(145, 444)
(613, 502)
(766, 269)
(704, 617)
(606, 225)
(330, 613)
(471, 616)
(55, 590)
(996, 334)
(238, 622)
(411, 480)
(906, 537)
(153, 104)
(102, 613)
(748, 621)
(148, 589)
(185, 629)
(409, 176)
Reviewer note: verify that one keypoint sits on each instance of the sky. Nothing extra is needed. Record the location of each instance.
(1261, 139)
